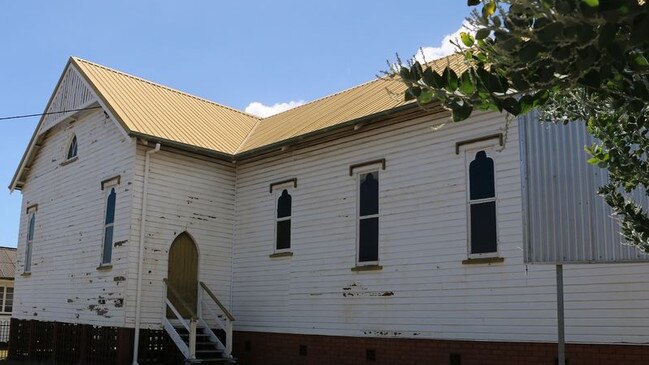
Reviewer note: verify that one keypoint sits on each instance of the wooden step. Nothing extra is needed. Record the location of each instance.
(209, 352)
(197, 335)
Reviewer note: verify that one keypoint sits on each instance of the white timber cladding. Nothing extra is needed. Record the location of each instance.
(189, 194)
(423, 290)
(65, 284)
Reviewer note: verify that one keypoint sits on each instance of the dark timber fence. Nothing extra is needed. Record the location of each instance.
(66, 343)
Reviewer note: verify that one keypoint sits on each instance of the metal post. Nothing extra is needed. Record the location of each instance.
(561, 355)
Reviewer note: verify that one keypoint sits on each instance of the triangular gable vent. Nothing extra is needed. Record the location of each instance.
(72, 93)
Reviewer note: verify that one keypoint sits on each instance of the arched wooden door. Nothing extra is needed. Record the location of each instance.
(182, 274)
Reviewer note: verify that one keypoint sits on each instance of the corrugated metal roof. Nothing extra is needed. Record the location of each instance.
(7, 262)
(151, 109)
(154, 110)
(146, 109)
(370, 98)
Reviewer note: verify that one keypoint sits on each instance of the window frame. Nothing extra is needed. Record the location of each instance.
(108, 186)
(66, 157)
(276, 190)
(375, 167)
(29, 241)
(470, 151)
(3, 305)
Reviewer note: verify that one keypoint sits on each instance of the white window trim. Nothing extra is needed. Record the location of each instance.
(107, 186)
(29, 245)
(67, 160)
(490, 147)
(277, 192)
(358, 171)
(3, 308)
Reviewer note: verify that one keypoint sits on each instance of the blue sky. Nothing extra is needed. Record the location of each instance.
(232, 52)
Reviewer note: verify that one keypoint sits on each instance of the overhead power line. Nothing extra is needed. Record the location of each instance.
(42, 114)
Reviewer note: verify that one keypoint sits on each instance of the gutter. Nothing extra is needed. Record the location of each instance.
(140, 256)
(238, 156)
(183, 146)
(323, 132)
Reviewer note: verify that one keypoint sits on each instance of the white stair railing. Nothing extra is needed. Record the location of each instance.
(219, 315)
(188, 350)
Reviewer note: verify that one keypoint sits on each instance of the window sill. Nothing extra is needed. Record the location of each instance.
(26, 274)
(104, 267)
(69, 161)
(483, 260)
(359, 268)
(281, 254)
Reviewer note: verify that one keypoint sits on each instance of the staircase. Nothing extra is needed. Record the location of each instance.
(195, 336)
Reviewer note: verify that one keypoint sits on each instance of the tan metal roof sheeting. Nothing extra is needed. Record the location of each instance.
(370, 98)
(147, 108)
(158, 111)
(357, 102)
(7, 262)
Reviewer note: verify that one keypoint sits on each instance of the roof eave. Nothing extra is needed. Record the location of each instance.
(368, 119)
(183, 146)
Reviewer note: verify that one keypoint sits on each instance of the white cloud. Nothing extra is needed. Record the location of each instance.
(263, 111)
(445, 48)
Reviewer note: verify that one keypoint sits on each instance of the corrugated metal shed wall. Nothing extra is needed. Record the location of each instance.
(565, 220)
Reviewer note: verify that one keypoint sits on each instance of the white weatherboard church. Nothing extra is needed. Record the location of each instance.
(159, 227)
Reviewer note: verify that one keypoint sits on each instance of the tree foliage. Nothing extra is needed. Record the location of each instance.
(571, 60)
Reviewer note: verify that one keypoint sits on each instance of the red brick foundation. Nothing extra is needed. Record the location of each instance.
(257, 348)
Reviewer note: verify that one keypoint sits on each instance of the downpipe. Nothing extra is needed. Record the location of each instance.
(140, 256)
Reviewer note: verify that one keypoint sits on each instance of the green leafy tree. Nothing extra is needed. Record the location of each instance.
(570, 60)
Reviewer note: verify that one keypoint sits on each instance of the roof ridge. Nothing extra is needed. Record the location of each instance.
(378, 78)
(78, 59)
(323, 98)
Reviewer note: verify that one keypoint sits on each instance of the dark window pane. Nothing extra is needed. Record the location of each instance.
(481, 177)
(28, 256)
(284, 234)
(284, 205)
(483, 227)
(368, 240)
(369, 194)
(72, 149)
(32, 223)
(108, 245)
(110, 207)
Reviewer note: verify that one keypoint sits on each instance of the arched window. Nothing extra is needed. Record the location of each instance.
(30, 241)
(482, 205)
(283, 228)
(368, 217)
(72, 148)
(109, 222)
